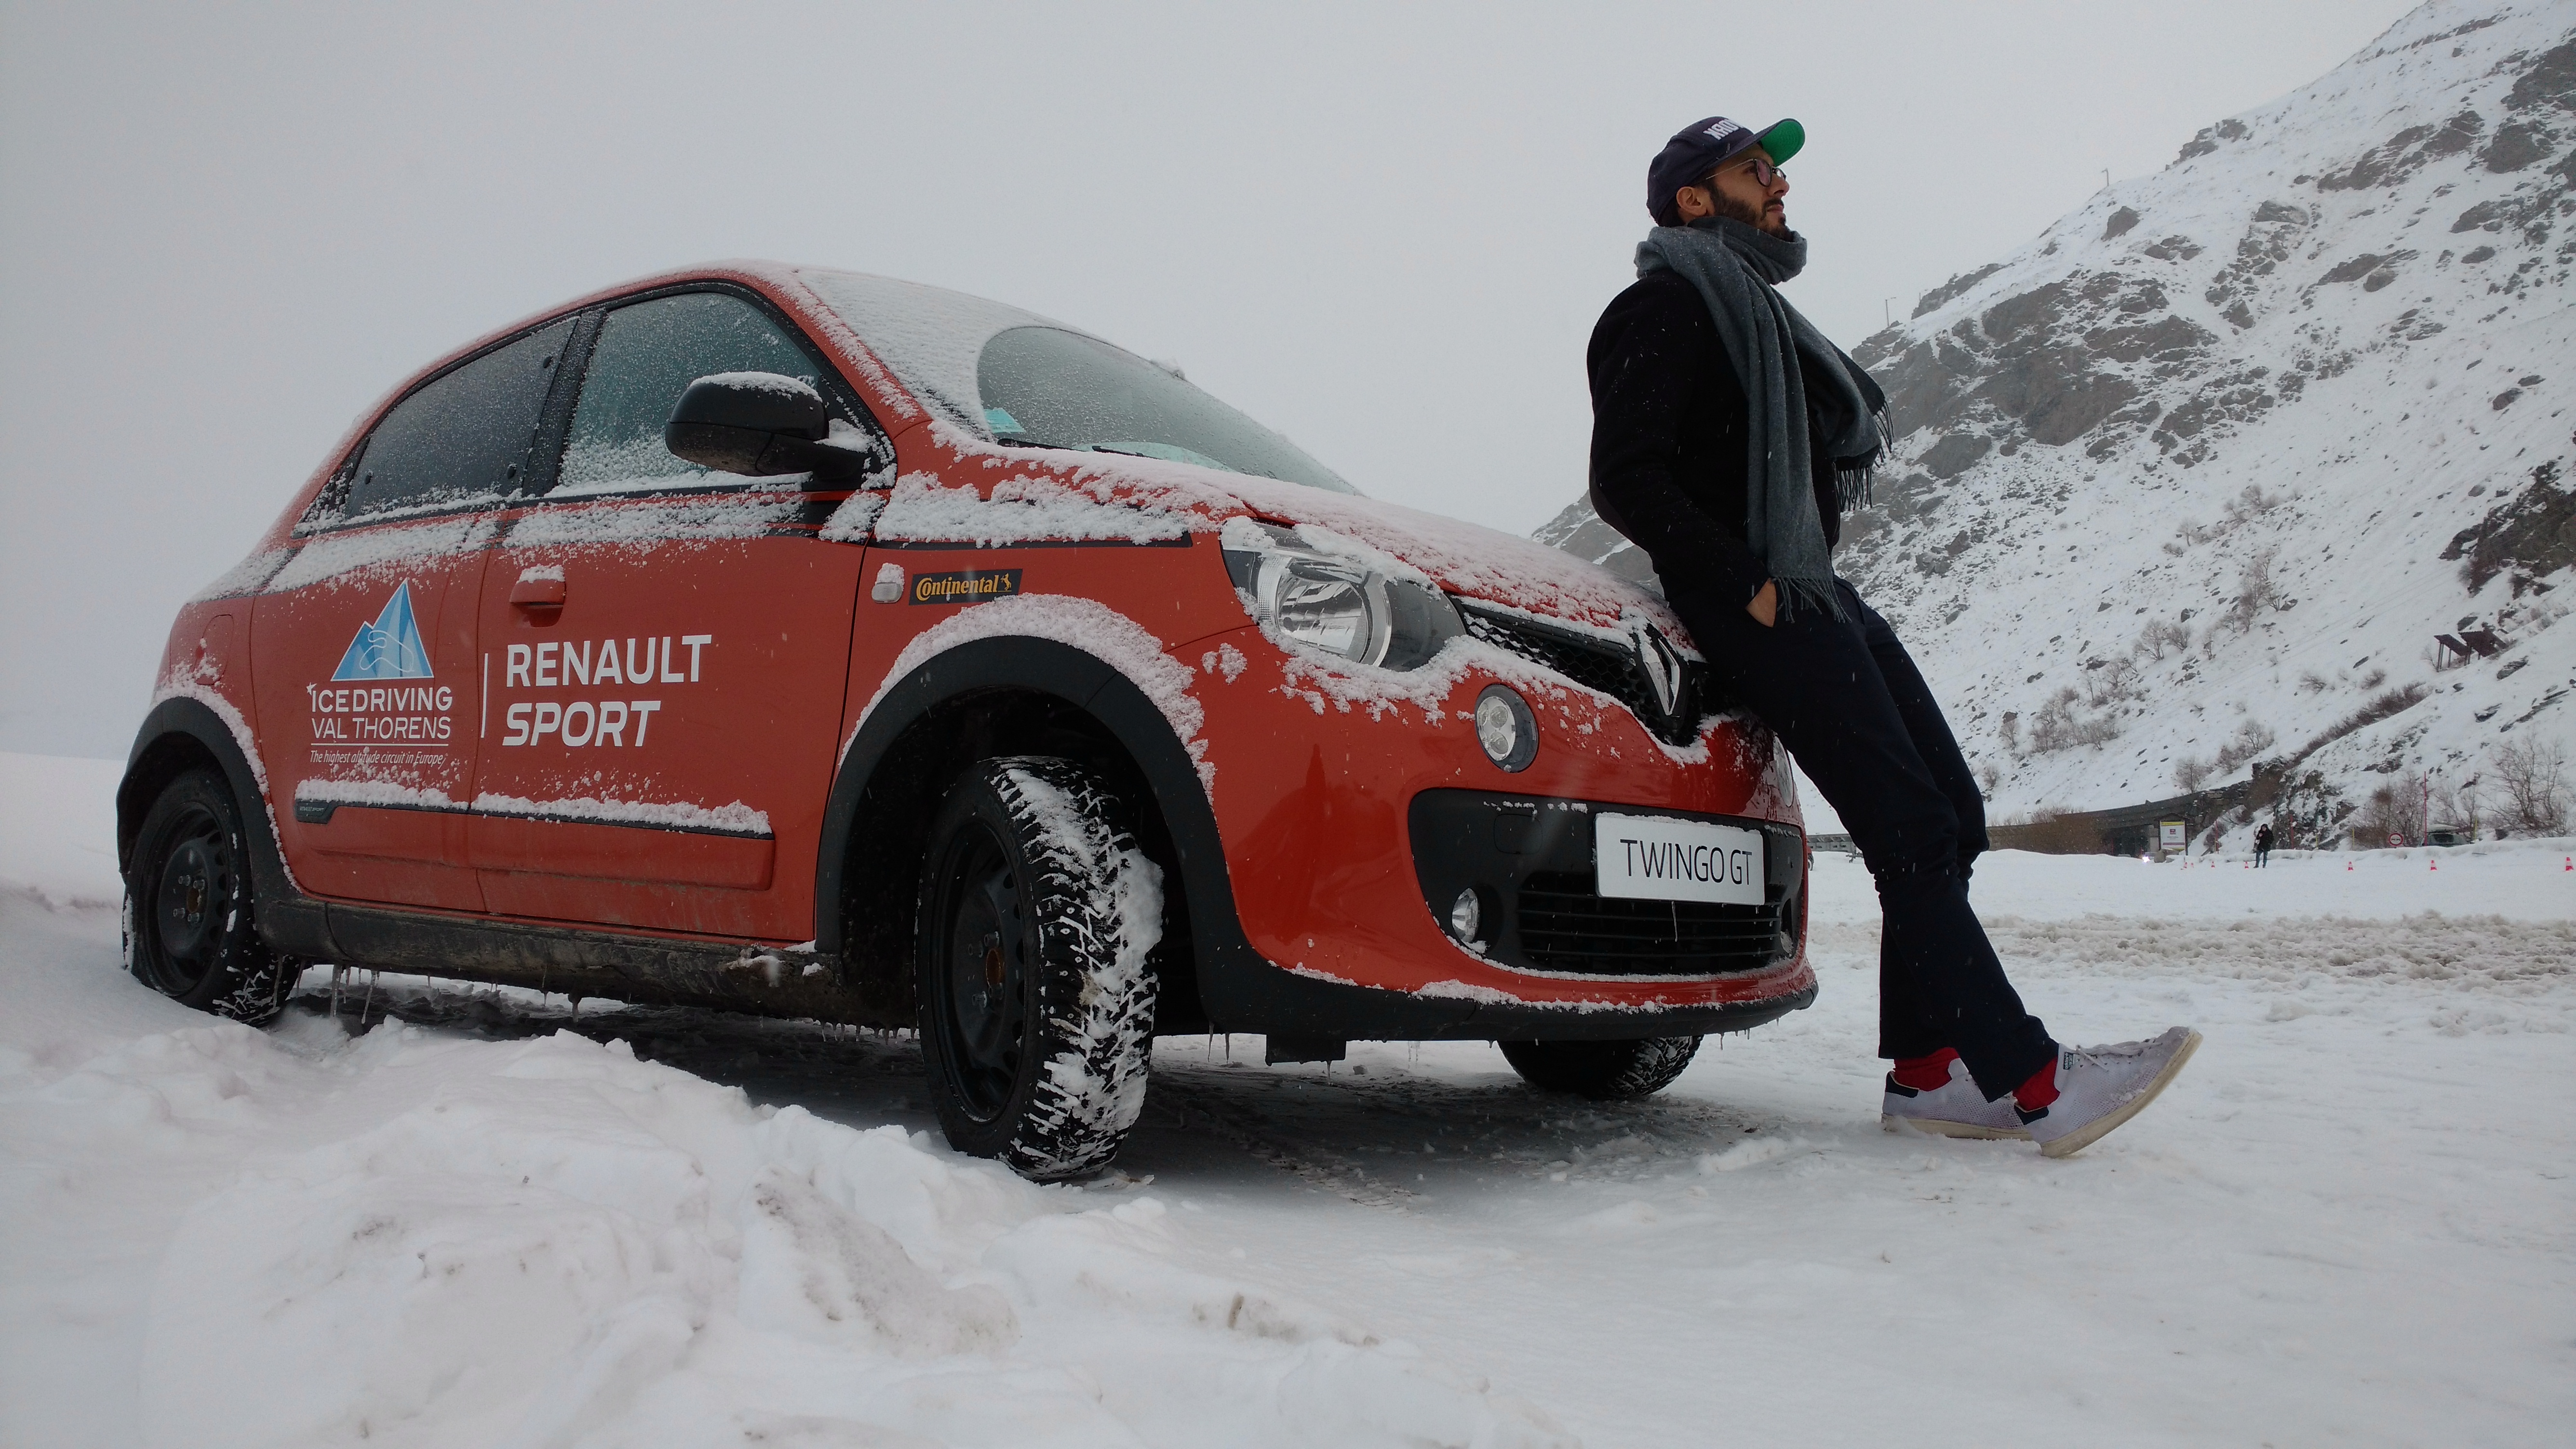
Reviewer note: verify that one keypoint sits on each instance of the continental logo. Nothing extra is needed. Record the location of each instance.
(969, 587)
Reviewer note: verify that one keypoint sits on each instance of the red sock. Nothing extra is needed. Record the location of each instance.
(2041, 1089)
(1925, 1074)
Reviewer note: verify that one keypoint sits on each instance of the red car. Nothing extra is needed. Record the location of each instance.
(803, 642)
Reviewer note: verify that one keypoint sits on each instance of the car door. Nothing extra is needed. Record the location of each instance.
(363, 661)
(668, 650)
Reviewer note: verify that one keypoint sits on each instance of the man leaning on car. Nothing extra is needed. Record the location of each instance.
(1729, 437)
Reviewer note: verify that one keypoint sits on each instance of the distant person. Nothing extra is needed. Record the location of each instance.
(2263, 845)
(1728, 438)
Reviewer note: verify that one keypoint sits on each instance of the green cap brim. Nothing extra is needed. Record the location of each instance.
(1782, 141)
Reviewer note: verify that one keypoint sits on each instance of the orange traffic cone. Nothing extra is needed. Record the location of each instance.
(2571, 862)
(2347, 865)
(2432, 864)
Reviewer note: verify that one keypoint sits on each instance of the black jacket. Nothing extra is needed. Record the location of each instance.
(1668, 463)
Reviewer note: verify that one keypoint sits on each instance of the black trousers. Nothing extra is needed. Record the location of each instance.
(1846, 699)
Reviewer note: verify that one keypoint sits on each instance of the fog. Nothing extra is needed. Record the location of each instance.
(1384, 230)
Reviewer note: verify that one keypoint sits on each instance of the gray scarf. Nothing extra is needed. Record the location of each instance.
(1738, 269)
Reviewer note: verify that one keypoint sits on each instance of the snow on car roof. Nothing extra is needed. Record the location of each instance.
(931, 337)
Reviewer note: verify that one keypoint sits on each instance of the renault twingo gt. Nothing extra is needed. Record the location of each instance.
(811, 643)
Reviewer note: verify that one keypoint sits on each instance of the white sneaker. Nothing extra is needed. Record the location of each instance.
(1955, 1109)
(2098, 1088)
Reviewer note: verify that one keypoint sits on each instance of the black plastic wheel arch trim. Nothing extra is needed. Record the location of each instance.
(290, 922)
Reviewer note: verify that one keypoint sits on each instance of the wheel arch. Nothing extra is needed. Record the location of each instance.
(1012, 694)
(182, 733)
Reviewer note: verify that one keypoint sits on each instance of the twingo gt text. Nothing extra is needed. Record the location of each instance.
(595, 722)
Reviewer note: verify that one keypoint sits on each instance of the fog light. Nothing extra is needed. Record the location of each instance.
(1506, 728)
(1467, 915)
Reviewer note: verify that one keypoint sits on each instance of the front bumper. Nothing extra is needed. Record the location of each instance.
(1528, 859)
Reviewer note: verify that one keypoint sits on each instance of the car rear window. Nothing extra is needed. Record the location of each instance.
(463, 437)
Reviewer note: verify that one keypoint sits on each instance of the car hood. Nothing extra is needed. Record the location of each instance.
(1034, 494)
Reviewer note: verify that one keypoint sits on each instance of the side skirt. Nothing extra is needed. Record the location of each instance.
(766, 980)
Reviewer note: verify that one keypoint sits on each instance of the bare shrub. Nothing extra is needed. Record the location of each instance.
(2311, 682)
(2160, 636)
(2115, 681)
(1989, 777)
(2379, 707)
(2374, 679)
(2238, 511)
(2394, 811)
(2255, 589)
(2253, 503)
(2191, 774)
(2252, 739)
(2460, 807)
(2058, 727)
(2531, 776)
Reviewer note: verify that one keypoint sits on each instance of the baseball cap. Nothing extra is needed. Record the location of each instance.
(1699, 148)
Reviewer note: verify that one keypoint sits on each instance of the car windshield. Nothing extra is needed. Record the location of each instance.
(1049, 388)
(1019, 378)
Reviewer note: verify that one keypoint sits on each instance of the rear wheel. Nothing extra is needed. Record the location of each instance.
(1037, 1005)
(1606, 1071)
(189, 932)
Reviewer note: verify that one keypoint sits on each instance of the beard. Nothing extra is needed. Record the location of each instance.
(1734, 210)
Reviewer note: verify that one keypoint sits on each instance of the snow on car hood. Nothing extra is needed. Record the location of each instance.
(1040, 494)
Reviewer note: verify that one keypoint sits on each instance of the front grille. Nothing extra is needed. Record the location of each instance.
(1564, 926)
(1610, 666)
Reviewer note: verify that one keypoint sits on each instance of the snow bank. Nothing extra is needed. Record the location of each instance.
(413, 1239)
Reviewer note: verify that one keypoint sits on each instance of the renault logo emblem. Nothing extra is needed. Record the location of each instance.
(1661, 661)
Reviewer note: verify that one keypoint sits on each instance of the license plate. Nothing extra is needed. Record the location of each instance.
(1657, 858)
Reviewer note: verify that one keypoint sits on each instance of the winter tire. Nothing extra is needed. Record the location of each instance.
(1037, 1005)
(1605, 1071)
(188, 928)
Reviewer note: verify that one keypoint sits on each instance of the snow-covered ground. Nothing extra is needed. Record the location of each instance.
(480, 1222)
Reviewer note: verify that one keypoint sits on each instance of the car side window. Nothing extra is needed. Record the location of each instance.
(461, 439)
(647, 355)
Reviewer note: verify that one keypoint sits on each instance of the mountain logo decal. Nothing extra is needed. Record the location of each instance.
(389, 648)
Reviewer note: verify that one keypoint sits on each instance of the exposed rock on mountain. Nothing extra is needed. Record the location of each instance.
(2195, 479)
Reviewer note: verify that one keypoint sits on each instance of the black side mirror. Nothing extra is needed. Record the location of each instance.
(759, 424)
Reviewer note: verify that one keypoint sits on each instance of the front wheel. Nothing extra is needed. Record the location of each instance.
(1605, 1071)
(189, 933)
(1037, 1006)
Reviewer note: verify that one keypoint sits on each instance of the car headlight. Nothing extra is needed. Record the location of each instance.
(1339, 606)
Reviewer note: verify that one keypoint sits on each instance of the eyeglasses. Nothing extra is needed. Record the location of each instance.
(1764, 173)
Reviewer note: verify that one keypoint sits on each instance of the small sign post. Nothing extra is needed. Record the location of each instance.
(2171, 837)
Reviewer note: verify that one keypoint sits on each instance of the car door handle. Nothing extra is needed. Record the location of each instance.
(538, 588)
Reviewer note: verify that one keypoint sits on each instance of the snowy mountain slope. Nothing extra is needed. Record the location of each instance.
(2198, 475)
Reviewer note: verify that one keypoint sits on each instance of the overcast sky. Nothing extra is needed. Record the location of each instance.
(1385, 230)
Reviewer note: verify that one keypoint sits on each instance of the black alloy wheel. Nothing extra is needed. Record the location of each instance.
(1037, 1003)
(1605, 1071)
(190, 932)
